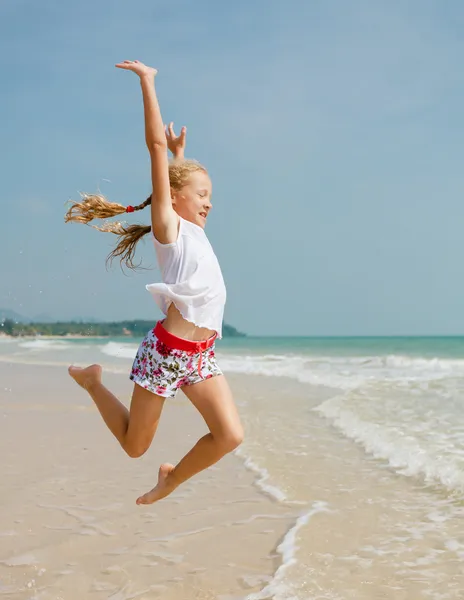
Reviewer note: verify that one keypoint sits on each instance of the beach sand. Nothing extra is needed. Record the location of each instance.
(298, 512)
(69, 525)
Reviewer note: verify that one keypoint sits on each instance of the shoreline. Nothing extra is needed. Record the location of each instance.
(75, 500)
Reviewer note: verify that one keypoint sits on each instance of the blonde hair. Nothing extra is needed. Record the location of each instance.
(96, 206)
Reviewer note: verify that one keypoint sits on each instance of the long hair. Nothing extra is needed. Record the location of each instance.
(96, 206)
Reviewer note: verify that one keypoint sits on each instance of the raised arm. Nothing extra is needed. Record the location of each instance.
(164, 219)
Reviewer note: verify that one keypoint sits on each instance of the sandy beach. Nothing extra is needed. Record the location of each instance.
(69, 526)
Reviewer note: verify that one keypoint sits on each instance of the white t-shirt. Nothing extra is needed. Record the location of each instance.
(192, 278)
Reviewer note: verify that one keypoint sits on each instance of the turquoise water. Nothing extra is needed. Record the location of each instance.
(445, 347)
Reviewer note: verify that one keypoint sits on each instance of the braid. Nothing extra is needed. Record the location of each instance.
(95, 206)
(128, 236)
(144, 204)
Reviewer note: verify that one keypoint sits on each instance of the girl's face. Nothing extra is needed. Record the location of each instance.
(193, 201)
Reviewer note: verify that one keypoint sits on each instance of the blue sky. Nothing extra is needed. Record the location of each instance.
(332, 131)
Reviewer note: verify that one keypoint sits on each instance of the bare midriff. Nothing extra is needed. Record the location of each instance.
(178, 326)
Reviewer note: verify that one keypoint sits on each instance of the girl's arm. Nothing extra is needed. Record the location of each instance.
(165, 221)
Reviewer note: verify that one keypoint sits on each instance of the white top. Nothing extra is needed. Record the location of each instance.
(192, 278)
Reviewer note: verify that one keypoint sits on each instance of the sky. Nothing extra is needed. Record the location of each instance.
(332, 130)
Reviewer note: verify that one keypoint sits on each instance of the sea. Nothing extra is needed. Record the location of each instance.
(362, 437)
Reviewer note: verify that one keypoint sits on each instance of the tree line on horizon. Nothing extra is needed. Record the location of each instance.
(137, 328)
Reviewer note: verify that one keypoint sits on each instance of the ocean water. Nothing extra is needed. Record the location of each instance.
(362, 437)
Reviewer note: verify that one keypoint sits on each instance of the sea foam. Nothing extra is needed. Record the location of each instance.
(413, 442)
(119, 350)
(278, 588)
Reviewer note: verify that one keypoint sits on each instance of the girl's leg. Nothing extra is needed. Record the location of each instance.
(213, 399)
(134, 429)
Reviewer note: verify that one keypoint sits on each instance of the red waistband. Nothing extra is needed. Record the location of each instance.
(178, 343)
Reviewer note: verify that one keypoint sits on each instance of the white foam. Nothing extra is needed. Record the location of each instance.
(278, 588)
(262, 478)
(345, 373)
(119, 350)
(41, 344)
(340, 372)
(435, 457)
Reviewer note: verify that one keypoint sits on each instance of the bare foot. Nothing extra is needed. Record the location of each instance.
(86, 377)
(162, 489)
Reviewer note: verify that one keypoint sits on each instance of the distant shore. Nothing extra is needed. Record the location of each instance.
(68, 336)
(77, 330)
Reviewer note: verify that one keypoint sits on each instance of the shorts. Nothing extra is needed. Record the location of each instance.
(165, 362)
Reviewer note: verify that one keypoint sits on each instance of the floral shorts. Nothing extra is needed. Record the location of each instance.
(165, 363)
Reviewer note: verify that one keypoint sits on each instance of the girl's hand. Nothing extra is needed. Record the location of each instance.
(176, 143)
(137, 67)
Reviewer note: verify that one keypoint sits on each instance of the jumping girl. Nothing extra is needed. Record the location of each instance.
(179, 352)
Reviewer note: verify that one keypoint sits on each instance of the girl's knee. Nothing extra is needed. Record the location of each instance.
(231, 440)
(135, 449)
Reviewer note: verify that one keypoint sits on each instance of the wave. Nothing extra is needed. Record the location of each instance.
(436, 457)
(262, 477)
(278, 588)
(337, 372)
(345, 373)
(40, 344)
(119, 350)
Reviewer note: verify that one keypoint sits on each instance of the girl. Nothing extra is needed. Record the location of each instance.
(179, 352)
